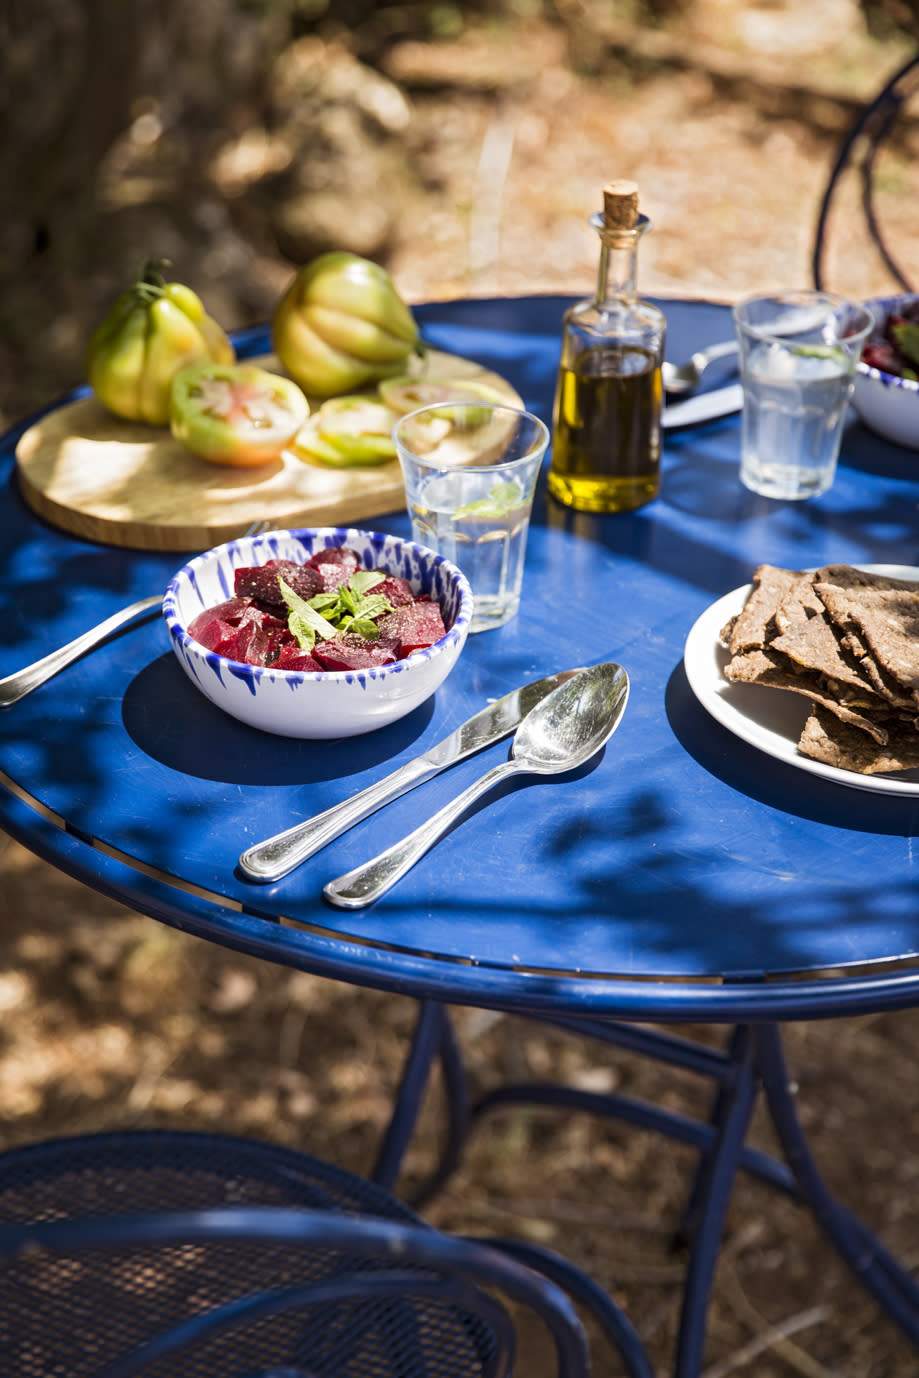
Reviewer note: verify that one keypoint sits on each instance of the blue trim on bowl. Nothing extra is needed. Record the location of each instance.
(427, 572)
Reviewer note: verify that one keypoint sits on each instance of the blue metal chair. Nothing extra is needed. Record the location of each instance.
(165, 1254)
(871, 129)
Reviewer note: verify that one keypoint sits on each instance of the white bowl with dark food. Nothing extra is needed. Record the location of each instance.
(274, 629)
(885, 400)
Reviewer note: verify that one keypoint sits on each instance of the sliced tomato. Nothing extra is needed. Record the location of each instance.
(408, 394)
(311, 446)
(359, 427)
(235, 414)
(423, 433)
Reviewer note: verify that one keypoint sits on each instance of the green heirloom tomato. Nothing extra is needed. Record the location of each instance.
(235, 414)
(153, 329)
(341, 324)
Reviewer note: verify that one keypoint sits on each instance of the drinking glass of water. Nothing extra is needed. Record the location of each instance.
(470, 471)
(798, 352)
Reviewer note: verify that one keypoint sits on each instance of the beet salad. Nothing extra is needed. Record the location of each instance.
(327, 614)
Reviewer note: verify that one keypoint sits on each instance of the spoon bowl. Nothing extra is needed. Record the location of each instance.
(679, 378)
(568, 727)
(572, 723)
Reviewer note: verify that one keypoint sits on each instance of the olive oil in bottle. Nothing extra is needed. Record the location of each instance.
(607, 433)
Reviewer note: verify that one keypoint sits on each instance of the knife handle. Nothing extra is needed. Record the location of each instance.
(279, 855)
(368, 882)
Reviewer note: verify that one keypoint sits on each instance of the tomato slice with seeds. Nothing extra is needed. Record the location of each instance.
(235, 414)
(359, 427)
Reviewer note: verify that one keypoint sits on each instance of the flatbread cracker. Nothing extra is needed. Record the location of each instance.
(887, 621)
(838, 744)
(751, 628)
(848, 641)
(766, 669)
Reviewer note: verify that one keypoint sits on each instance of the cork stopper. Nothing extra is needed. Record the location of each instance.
(620, 205)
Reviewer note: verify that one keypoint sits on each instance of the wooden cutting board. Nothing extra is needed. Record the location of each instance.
(126, 484)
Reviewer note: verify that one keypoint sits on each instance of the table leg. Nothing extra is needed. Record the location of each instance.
(685, 1231)
(714, 1064)
(432, 1040)
(874, 1266)
(752, 1062)
(712, 1193)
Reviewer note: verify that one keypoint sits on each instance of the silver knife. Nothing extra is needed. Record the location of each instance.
(705, 406)
(279, 855)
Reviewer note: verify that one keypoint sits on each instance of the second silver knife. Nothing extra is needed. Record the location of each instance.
(279, 855)
(705, 406)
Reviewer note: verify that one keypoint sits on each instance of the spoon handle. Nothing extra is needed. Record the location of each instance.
(717, 351)
(15, 687)
(368, 882)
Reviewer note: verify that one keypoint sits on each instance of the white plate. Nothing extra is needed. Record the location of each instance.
(767, 718)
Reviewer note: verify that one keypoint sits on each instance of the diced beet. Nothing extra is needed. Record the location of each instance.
(334, 555)
(882, 356)
(266, 645)
(216, 624)
(334, 565)
(262, 582)
(216, 635)
(240, 630)
(245, 637)
(293, 658)
(396, 589)
(416, 626)
(352, 653)
(304, 581)
(229, 611)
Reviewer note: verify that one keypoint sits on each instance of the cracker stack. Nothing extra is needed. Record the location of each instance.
(848, 641)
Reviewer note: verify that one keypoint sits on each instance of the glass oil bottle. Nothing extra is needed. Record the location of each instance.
(607, 419)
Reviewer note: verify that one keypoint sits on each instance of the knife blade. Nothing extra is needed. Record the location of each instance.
(279, 855)
(704, 406)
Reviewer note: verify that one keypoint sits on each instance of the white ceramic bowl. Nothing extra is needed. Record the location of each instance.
(886, 403)
(335, 703)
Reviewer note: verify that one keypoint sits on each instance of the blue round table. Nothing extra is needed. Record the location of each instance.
(685, 875)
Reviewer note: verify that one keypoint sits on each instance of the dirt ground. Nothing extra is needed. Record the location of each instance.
(109, 1019)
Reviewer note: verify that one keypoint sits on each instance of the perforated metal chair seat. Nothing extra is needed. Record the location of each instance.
(207, 1256)
(70, 1314)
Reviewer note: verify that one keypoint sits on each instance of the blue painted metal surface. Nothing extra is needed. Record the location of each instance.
(680, 856)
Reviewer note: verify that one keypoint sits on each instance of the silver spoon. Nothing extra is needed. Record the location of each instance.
(566, 729)
(684, 377)
(279, 855)
(15, 687)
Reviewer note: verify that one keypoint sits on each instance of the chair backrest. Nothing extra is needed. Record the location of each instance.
(209, 1256)
(266, 1292)
(860, 148)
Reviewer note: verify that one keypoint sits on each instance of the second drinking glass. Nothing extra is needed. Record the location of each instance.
(798, 352)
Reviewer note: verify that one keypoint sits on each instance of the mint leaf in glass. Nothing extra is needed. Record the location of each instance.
(502, 498)
(819, 351)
